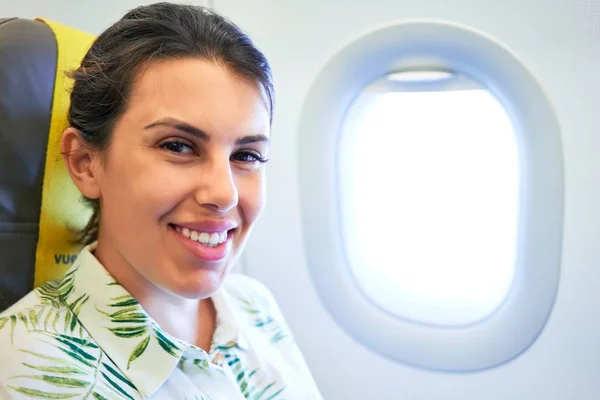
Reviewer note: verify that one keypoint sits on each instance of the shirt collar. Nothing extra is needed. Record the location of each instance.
(119, 324)
(128, 335)
(228, 333)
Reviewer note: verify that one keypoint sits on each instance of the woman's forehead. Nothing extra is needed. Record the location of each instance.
(198, 92)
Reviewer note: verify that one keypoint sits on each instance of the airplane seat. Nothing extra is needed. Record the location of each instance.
(38, 202)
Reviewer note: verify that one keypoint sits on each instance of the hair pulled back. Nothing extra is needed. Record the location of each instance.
(161, 31)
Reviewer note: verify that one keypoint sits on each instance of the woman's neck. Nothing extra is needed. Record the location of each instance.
(190, 320)
(193, 321)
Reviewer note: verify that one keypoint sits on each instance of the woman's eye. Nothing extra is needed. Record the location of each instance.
(177, 147)
(248, 157)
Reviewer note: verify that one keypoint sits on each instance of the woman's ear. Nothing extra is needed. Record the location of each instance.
(81, 162)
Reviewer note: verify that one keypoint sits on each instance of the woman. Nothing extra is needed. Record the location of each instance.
(169, 133)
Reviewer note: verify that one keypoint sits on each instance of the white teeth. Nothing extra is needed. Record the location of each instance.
(204, 238)
(209, 239)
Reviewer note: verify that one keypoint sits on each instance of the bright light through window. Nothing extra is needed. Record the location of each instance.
(429, 197)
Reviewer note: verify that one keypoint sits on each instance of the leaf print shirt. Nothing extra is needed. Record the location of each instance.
(85, 337)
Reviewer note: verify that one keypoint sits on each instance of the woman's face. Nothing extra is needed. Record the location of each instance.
(183, 180)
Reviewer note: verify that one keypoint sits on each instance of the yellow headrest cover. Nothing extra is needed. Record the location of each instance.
(61, 200)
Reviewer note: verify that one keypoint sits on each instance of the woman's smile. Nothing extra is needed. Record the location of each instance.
(211, 242)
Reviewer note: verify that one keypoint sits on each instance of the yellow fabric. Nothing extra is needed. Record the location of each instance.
(61, 201)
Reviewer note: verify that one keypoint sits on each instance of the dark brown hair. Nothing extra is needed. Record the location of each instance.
(103, 82)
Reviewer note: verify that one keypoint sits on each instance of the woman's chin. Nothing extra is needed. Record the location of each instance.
(198, 287)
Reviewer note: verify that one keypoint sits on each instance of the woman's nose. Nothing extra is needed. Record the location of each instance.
(217, 189)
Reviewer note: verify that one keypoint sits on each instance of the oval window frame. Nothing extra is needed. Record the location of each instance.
(435, 44)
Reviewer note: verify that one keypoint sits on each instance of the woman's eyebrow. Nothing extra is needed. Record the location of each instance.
(181, 126)
(252, 139)
(199, 133)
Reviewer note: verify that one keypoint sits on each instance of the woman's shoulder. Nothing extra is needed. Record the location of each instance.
(44, 296)
(25, 312)
(45, 351)
(256, 308)
(31, 331)
(31, 300)
(40, 310)
(269, 335)
(40, 315)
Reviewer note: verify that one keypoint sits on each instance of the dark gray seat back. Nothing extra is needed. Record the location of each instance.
(28, 58)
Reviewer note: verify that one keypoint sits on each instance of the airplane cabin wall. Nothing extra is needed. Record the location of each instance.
(557, 41)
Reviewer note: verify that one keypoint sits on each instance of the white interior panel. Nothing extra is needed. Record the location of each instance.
(515, 323)
(555, 43)
(558, 42)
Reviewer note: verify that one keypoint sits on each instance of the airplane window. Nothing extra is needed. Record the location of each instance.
(429, 189)
(431, 186)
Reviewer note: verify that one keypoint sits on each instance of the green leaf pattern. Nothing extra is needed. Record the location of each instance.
(263, 320)
(67, 363)
(72, 375)
(129, 321)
